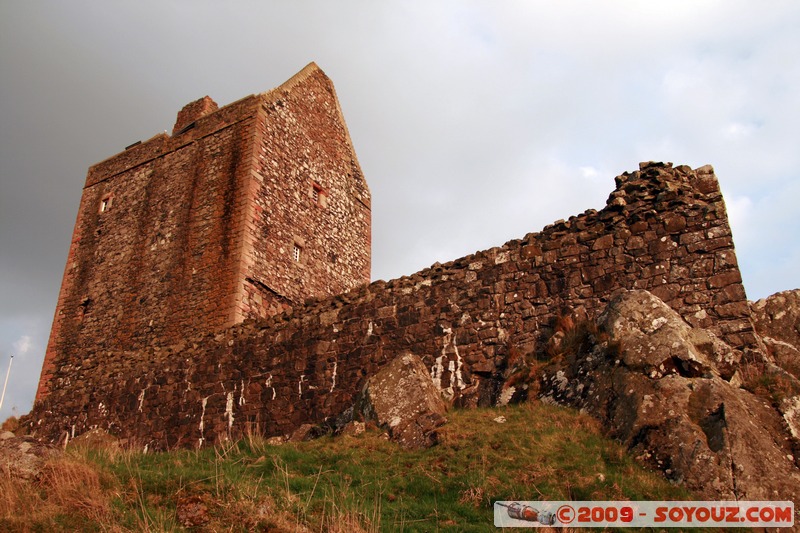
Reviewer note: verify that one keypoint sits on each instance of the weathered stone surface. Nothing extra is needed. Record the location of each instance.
(777, 321)
(96, 439)
(786, 355)
(778, 316)
(654, 382)
(353, 428)
(402, 399)
(23, 457)
(469, 320)
(659, 342)
(303, 433)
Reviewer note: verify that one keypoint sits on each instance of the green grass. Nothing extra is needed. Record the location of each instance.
(367, 483)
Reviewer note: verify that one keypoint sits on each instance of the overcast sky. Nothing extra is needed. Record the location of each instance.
(474, 122)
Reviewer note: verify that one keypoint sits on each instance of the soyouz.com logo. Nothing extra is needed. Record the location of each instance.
(644, 514)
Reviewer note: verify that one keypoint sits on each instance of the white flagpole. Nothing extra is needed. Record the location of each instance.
(8, 373)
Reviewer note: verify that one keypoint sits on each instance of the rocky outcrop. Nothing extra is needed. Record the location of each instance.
(660, 343)
(403, 399)
(777, 322)
(666, 390)
(23, 457)
(778, 316)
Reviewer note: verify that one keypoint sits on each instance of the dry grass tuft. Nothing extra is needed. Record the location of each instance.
(18, 498)
(773, 384)
(66, 487)
(474, 496)
(10, 424)
(75, 486)
(348, 522)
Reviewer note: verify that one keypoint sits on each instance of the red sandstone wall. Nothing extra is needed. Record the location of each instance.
(664, 230)
(302, 143)
(158, 261)
(185, 235)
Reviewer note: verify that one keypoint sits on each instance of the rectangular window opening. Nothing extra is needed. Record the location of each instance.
(296, 252)
(105, 203)
(318, 195)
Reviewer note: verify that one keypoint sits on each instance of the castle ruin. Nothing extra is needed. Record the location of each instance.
(241, 213)
(183, 318)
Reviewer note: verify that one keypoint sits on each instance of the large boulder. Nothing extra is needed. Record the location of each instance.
(659, 342)
(657, 385)
(23, 457)
(777, 322)
(402, 399)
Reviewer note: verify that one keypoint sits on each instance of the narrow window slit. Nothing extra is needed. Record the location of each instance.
(105, 203)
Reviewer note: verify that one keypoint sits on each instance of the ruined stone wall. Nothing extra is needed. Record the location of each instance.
(190, 233)
(664, 229)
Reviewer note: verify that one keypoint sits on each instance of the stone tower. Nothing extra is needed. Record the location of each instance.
(241, 212)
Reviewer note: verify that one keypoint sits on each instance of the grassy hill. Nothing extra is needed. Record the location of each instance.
(352, 484)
